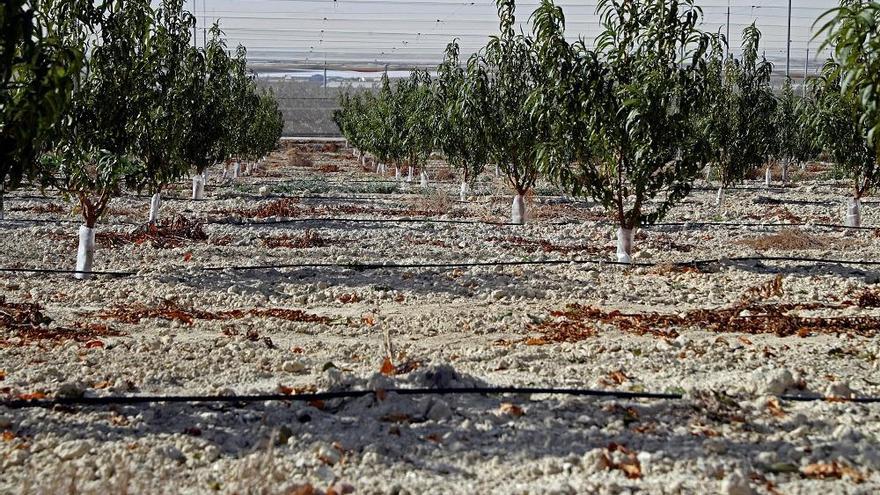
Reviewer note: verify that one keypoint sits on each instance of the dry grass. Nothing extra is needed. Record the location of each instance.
(309, 239)
(434, 203)
(444, 174)
(789, 240)
(296, 158)
(169, 233)
(328, 168)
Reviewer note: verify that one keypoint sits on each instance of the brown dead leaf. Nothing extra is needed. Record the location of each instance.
(387, 368)
(32, 396)
(509, 409)
(744, 340)
(775, 408)
(536, 341)
(629, 464)
(834, 470)
(306, 489)
(8, 436)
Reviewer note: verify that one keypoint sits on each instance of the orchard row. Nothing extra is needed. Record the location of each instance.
(632, 120)
(101, 95)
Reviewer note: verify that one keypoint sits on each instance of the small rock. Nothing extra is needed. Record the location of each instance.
(439, 410)
(71, 449)
(840, 389)
(778, 381)
(341, 488)
(594, 461)
(293, 367)
(736, 484)
(71, 390)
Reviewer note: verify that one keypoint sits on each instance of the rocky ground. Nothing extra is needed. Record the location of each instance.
(209, 311)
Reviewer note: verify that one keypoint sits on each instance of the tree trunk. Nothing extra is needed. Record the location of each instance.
(2, 205)
(423, 179)
(518, 210)
(236, 168)
(198, 181)
(409, 176)
(624, 245)
(719, 198)
(785, 173)
(853, 213)
(155, 204)
(85, 253)
(463, 191)
(708, 172)
(768, 177)
(397, 172)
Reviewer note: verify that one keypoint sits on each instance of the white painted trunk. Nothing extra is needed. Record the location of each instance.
(423, 179)
(378, 167)
(768, 177)
(363, 160)
(85, 253)
(397, 172)
(236, 168)
(854, 213)
(708, 172)
(624, 245)
(719, 198)
(155, 204)
(409, 175)
(198, 187)
(518, 210)
(785, 173)
(497, 171)
(247, 168)
(463, 191)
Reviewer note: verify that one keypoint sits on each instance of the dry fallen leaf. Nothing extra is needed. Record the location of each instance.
(32, 396)
(94, 344)
(775, 408)
(188, 256)
(387, 368)
(306, 489)
(536, 341)
(831, 470)
(511, 409)
(630, 464)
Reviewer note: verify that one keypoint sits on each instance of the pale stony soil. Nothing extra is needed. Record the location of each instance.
(463, 326)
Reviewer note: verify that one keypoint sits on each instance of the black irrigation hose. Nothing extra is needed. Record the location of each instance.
(68, 272)
(322, 396)
(386, 265)
(245, 223)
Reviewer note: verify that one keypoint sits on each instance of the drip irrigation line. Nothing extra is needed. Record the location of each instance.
(388, 265)
(367, 220)
(381, 265)
(62, 271)
(353, 394)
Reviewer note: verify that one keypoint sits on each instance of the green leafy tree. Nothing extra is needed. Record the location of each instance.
(206, 143)
(458, 130)
(623, 116)
(94, 152)
(840, 129)
(415, 107)
(165, 91)
(38, 71)
(739, 122)
(853, 33)
(501, 79)
(794, 140)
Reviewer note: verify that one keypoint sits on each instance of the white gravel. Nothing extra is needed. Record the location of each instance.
(463, 326)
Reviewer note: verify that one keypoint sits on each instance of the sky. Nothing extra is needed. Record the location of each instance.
(363, 35)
